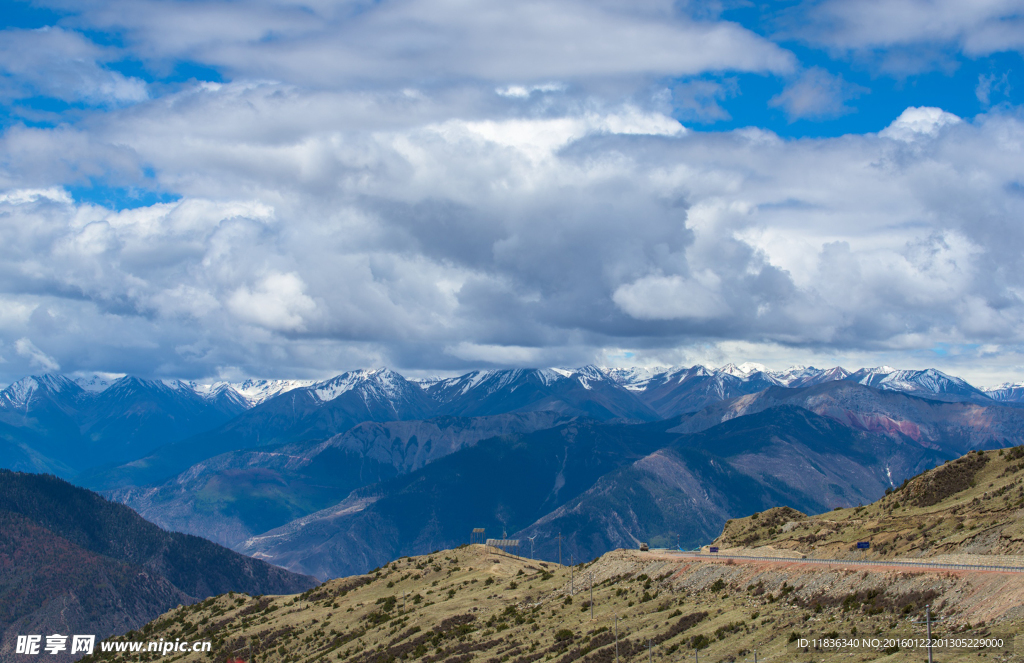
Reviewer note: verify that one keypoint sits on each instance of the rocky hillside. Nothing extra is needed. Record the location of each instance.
(973, 505)
(478, 604)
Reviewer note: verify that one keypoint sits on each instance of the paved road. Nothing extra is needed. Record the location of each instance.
(923, 566)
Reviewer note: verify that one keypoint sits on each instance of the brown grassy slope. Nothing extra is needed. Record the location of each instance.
(972, 506)
(474, 604)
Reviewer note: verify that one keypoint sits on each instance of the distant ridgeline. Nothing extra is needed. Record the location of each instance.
(72, 562)
(335, 477)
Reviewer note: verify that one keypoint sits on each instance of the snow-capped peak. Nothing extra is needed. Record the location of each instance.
(97, 382)
(384, 381)
(749, 368)
(20, 393)
(1005, 385)
(427, 382)
(258, 390)
(635, 378)
(880, 370)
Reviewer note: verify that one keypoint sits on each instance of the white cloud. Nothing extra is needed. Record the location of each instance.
(65, 65)
(37, 358)
(426, 245)
(344, 204)
(987, 84)
(21, 196)
(14, 314)
(541, 138)
(671, 298)
(917, 122)
(512, 43)
(524, 91)
(277, 303)
(978, 28)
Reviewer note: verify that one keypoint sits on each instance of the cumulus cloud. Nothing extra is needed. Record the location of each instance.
(917, 122)
(672, 298)
(343, 204)
(441, 246)
(278, 303)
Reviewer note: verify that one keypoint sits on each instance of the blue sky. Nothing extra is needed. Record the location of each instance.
(290, 188)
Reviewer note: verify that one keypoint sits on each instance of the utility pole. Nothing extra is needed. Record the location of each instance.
(616, 639)
(572, 582)
(650, 651)
(592, 596)
(928, 625)
(928, 619)
(559, 548)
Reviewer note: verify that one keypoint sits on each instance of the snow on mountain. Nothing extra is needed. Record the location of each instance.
(249, 393)
(1008, 392)
(639, 379)
(677, 390)
(806, 376)
(796, 374)
(257, 391)
(744, 370)
(20, 393)
(635, 378)
(927, 381)
(97, 382)
(179, 385)
(490, 382)
(881, 370)
(584, 390)
(427, 382)
(381, 383)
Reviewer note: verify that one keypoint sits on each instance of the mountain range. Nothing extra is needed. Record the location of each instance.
(68, 426)
(333, 477)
